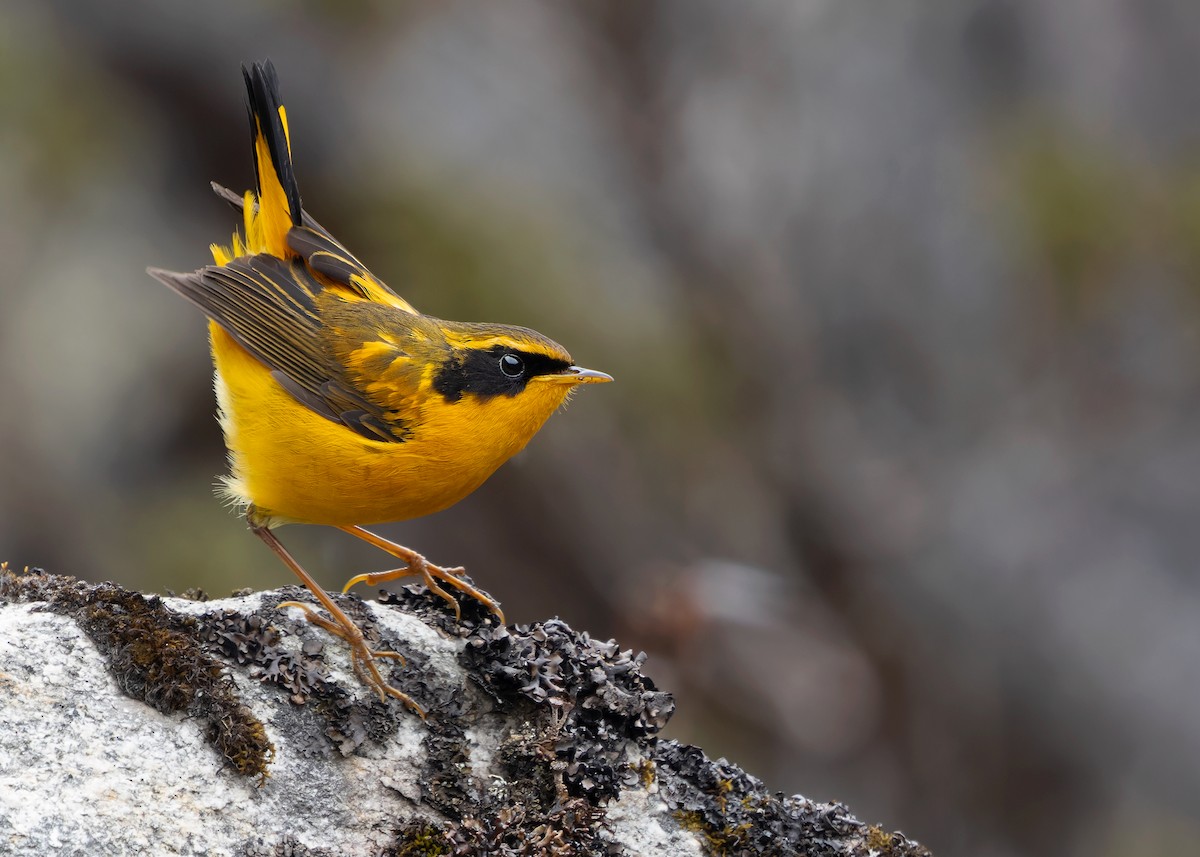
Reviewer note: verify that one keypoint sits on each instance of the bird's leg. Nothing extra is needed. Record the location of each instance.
(417, 564)
(362, 659)
(361, 671)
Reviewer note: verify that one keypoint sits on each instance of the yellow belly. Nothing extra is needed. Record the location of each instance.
(295, 466)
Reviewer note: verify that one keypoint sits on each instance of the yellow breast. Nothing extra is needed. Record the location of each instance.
(296, 466)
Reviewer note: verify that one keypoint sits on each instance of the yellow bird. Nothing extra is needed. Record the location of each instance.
(339, 402)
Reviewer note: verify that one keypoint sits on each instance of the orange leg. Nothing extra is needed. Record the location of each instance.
(417, 564)
(362, 659)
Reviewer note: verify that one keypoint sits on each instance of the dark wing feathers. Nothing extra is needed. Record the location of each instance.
(231, 197)
(269, 307)
(324, 253)
(326, 256)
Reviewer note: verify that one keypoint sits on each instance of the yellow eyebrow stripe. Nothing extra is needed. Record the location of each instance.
(473, 340)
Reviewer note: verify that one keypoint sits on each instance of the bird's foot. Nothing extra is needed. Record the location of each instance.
(415, 564)
(362, 656)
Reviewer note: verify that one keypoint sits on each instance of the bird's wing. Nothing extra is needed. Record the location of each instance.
(328, 257)
(272, 308)
(325, 255)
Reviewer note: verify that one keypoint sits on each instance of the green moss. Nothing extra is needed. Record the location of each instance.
(646, 772)
(719, 841)
(420, 840)
(879, 840)
(1184, 211)
(1075, 211)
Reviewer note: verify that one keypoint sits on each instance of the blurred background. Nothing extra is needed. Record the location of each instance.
(898, 484)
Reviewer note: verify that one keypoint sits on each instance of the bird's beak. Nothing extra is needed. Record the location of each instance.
(577, 375)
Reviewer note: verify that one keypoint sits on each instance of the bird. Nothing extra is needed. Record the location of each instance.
(342, 405)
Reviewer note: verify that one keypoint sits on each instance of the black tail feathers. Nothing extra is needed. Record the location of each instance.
(264, 103)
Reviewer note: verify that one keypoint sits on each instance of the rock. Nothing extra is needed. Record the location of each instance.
(138, 724)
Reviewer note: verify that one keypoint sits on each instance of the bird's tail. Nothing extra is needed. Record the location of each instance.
(271, 213)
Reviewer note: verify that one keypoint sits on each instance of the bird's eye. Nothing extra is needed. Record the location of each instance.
(512, 365)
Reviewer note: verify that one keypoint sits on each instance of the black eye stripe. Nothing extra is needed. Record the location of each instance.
(482, 373)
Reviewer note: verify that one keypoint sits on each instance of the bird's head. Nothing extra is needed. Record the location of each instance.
(501, 383)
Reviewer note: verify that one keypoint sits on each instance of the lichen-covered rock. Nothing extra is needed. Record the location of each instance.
(139, 724)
